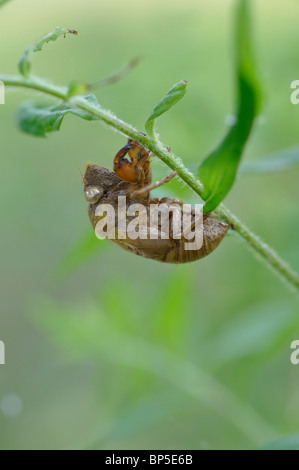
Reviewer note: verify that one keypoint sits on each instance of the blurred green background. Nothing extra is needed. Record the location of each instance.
(109, 350)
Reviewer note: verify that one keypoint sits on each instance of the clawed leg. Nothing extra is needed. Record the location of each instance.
(150, 187)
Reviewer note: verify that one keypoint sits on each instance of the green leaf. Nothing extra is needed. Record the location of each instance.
(174, 95)
(140, 416)
(25, 63)
(218, 170)
(2, 2)
(80, 88)
(290, 442)
(39, 120)
(77, 88)
(168, 315)
(259, 331)
(86, 247)
(282, 160)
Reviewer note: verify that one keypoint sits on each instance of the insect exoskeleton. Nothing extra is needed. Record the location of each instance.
(102, 187)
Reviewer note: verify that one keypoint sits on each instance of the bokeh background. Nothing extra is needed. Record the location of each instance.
(108, 350)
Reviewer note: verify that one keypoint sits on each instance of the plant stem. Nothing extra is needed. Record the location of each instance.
(35, 83)
(260, 248)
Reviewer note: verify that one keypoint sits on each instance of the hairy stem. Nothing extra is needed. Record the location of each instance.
(261, 249)
(265, 253)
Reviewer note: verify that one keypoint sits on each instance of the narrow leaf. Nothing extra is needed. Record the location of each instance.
(169, 320)
(218, 170)
(39, 120)
(116, 76)
(79, 88)
(25, 63)
(259, 331)
(174, 95)
(290, 442)
(2, 2)
(86, 247)
(282, 160)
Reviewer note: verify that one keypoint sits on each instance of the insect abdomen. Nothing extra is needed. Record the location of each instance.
(172, 250)
(213, 234)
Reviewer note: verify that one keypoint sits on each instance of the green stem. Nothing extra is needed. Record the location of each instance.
(35, 83)
(261, 249)
(269, 256)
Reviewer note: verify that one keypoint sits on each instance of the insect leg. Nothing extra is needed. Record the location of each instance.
(127, 169)
(83, 179)
(150, 187)
(120, 155)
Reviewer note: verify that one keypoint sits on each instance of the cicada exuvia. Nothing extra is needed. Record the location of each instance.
(131, 183)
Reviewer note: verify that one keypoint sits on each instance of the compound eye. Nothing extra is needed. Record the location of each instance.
(93, 194)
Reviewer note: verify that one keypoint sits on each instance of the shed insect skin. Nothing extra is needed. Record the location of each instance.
(132, 177)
